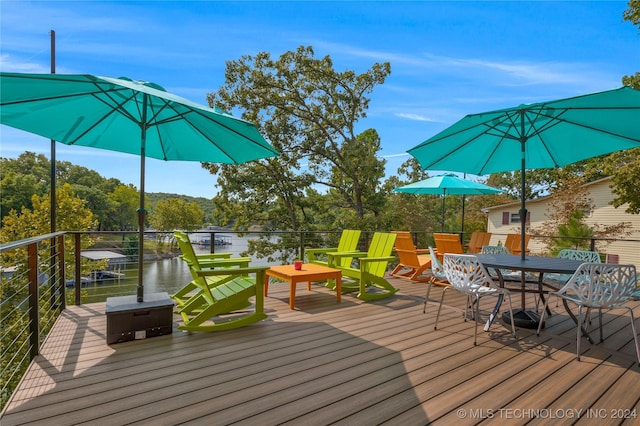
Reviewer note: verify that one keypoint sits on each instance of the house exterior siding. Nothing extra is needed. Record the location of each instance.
(602, 213)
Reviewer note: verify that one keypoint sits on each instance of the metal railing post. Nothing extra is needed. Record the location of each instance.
(61, 273)
(34, 311)
(78, 284)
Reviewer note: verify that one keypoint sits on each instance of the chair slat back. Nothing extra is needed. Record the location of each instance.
(381, 246)
(188, 254)
(465, 272)
(447, 243)
(586, 256)
(436, 266)
(406, 250)
(477, 241)
(404, 241)
(495, 250)
(513, 242)
(602, 284)
(349, 240)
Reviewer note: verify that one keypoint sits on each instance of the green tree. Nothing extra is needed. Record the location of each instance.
(73, 215)
(126, 200)
(20, 179)
(308, 111)
(624, 166)
(175, 213)
(632, 14)
(536, 184)
(575, 234)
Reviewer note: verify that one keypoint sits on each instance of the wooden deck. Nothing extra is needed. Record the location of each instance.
(352, 363)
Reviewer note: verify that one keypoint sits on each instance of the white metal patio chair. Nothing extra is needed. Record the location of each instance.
(600, 286)
(556, 281)
(438, 277)
(468, 276)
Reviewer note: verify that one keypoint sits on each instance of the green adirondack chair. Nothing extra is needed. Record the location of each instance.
(202, 261)
(372, 268)
(348, 244)
(218, 297)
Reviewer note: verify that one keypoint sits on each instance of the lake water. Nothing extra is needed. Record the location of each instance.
(167, 275)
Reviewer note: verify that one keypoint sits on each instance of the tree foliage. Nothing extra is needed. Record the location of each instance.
(126, 200)
(309, 112)
(73, 215)
(175, 213)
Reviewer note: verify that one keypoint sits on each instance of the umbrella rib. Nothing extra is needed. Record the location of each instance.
(197, 128)
(113, 108)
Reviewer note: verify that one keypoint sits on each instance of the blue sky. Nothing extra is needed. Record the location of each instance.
(448, 59)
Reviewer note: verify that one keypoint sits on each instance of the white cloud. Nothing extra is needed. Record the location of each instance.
(11, 64)
(415, 117)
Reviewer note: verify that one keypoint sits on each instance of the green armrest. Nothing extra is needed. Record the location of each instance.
(206, 256)
(223, 263)
(235, 271)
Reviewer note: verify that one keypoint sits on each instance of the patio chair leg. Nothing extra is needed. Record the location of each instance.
(435, 326)
(513, 324)
(475, 321)
(635, 334)
(544, 310)
(600, 322)
(579, 327)
(426, 298)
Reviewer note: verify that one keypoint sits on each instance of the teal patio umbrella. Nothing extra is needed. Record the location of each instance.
(135, 117)
(447, 184)
(540, 135)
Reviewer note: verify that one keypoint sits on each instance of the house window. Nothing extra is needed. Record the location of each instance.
(509, 218)
(587, 211)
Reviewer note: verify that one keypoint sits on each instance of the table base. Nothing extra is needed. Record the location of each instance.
(522, 318)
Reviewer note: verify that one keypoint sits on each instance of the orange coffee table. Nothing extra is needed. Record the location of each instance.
(309, 272)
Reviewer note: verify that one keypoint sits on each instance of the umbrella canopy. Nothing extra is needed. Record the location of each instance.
(123, 115)
(541, 135)
(447, 184)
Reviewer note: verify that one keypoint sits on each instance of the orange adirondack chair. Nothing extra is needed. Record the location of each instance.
(513, 243)
(411, 262)
(447, 243)
(477, 241)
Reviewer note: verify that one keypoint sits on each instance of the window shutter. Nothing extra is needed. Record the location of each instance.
(506, 218)
(528, 222)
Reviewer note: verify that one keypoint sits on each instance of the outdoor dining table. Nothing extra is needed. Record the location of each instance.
(537, 264)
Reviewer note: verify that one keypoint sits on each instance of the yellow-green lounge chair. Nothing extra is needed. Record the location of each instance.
(220, 296)
(348, 244)
(189, 293)
(372, 268)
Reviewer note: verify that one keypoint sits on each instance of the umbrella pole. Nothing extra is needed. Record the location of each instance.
(462, 222)
(523, 208)
(444, 194)
(141, 210)
(141, 220)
